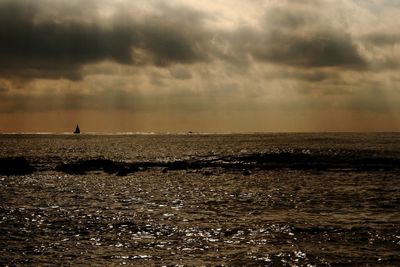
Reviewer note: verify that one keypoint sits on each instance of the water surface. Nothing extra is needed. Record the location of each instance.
(213, 215)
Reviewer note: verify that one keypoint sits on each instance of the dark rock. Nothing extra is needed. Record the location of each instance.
(15, 166)
(106, 165)
(123, 171)
(247, 172)
(178, 165)
(208, 173)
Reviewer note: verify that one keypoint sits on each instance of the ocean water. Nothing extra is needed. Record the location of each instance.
(200, 199)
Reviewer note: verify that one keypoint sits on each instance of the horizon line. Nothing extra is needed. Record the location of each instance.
(193, 133)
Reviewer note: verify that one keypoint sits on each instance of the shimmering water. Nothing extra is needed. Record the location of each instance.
(346, 213)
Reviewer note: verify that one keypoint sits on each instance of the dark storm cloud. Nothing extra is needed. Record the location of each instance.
(302, 37)
(33, 46)
(172, 42)
(325, 49)
(54, 39)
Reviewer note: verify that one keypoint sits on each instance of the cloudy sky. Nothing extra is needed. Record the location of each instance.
(207, 66)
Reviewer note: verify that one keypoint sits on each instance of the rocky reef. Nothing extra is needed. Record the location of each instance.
(15, 166)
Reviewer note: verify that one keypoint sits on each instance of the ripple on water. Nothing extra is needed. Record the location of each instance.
(258, 220)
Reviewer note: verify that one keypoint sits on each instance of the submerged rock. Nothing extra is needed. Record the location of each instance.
(15, 166)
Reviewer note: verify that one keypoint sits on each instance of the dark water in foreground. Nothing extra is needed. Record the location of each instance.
(203, 200)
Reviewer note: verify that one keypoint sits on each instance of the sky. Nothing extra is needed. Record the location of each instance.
(201, 66)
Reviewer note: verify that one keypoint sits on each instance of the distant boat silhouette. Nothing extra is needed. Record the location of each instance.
(77, 131)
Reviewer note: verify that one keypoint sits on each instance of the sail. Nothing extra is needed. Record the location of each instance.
(77, 130)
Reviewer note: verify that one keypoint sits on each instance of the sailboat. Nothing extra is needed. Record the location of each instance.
(77, 131)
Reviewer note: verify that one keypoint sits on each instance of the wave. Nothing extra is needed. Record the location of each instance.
(290, 159)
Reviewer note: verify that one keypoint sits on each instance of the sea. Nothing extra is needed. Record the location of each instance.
(191, 199)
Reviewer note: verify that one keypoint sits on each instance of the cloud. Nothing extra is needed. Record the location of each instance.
(34, 46)
(173, 42)
(180, 73)
(382, 50)
(303, 75)
(4, 86)
(302, 36)
(382, 39)
(185, 47)
(56, 39)
(323, 49)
